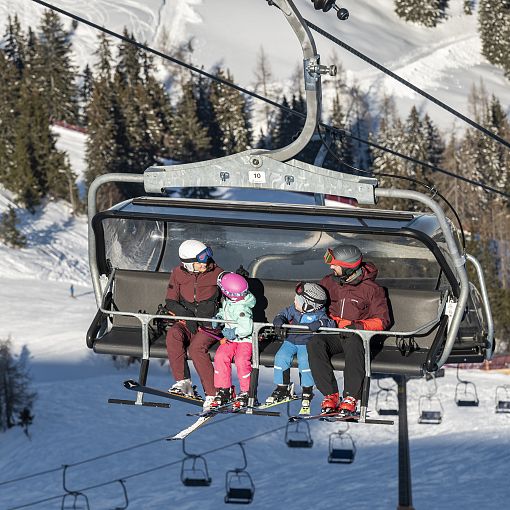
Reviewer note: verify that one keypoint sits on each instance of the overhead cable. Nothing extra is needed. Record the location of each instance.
(288, 110)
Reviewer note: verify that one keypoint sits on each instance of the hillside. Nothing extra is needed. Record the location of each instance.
(444, 61)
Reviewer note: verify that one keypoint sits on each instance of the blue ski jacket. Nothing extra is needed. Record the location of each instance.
(291, 315)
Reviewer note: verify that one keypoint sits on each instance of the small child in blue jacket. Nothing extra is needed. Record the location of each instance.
(309, 309)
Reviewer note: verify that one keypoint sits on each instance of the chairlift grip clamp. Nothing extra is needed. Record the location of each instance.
(313, 71)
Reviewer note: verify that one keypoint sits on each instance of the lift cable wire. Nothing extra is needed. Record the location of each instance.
(92, 459)
(416, 89)
(432, 189)
(339, 131)
(150, 470)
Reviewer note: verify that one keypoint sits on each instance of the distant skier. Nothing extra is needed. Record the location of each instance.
(25, 419)
(356, 302)
(71, 291)
(192, 292)
(309, 309)
(236, 344)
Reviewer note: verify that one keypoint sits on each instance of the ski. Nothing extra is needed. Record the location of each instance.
(183, 434)
(227, 409)
(135, 386)
(287, 400)
(334, 417)
(304, 411)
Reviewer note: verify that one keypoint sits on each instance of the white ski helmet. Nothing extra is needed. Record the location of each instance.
(194, 251)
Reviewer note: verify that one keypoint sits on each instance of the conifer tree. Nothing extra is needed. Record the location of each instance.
(423, 12)
(231, 116)
(286, 127)
(58, 71)
(87, 85)
(9, 232)
(494, 28)
(15, 392)
(188, 139)
(341, 145)
(14, 44)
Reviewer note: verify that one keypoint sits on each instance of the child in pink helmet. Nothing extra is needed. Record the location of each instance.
(236, 308)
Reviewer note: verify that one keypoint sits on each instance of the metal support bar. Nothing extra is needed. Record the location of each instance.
(405, 496)
(458, 261)
(486, 305)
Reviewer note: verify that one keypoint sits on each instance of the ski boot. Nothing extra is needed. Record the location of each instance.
(209, 399)
(348, 406)
(330, 403)
(223, 397)
(183, 387)
(306, 400)
(241, 400)
(281, 393)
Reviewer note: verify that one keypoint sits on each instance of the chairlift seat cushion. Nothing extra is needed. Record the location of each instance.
(136, 291)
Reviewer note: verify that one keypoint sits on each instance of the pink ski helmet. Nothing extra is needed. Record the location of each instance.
(232, 285)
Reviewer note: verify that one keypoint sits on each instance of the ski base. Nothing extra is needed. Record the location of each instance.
(183, 434)
(135, 386)
(335, 417)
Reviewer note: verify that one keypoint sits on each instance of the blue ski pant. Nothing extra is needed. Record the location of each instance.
(283, 361)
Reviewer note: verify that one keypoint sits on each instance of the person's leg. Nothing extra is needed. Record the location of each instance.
(354, 371)
(177, 338)
(320, 349)
(199, 354)
(222, 365)
(304, 366)
(283, 361)
(242, 359)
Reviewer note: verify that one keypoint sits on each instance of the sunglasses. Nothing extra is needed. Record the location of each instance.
(205, 255)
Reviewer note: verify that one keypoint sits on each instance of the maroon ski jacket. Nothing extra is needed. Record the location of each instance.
(193, 294)
(362, 301)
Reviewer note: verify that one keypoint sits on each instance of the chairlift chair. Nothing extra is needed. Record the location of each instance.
(298, 435)
(503, 399)
(465, 393)
(194, 472)
(125, 494)
(80, 501)
(430, 410)
(134, 244)
(239, 486)
(386, 401)
(342, 448)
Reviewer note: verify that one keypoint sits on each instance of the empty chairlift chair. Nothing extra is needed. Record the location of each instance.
(342, 448)
(73, 500)
(194, 472)
(386, 401)
(430, 409)
(465, 393)
(298, 435)
(503, 399)
(239, 486)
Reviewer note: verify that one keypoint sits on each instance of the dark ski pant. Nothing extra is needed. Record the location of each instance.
(178, 338)
(320, 350)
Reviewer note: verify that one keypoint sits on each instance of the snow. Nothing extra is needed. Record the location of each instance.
(460, 463)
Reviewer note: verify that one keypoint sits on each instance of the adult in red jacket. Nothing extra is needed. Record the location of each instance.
(192, 292)
(356, 302)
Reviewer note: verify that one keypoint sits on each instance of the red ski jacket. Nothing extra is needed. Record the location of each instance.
(362, 301)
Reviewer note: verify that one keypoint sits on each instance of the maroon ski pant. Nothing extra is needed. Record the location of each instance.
(178, 338)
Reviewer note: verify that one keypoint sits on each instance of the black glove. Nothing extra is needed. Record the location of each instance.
(355, 325)
(242, 271)
(315, 325)
(278, 322)
(192, 327)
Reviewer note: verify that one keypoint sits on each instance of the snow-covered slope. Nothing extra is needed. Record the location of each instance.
(445, 61)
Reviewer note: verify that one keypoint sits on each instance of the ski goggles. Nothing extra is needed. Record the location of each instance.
(329, 258)
(205, 255)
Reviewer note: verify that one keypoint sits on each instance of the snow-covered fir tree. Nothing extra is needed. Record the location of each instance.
(9, 232)
(423, 12)
(231, 116)
(58, 73)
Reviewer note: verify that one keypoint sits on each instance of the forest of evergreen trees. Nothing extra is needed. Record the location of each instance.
(133, 121)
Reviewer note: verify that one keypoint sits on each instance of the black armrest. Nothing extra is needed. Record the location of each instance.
(437, 345)
(97, 322)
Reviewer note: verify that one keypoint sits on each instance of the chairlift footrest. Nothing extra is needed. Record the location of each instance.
(133, 403)
(135, 386)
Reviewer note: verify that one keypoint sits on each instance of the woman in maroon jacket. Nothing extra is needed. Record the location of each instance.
(356, 302)
(192, 292)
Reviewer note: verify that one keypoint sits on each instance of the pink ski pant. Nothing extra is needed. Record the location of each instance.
(241, 353)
